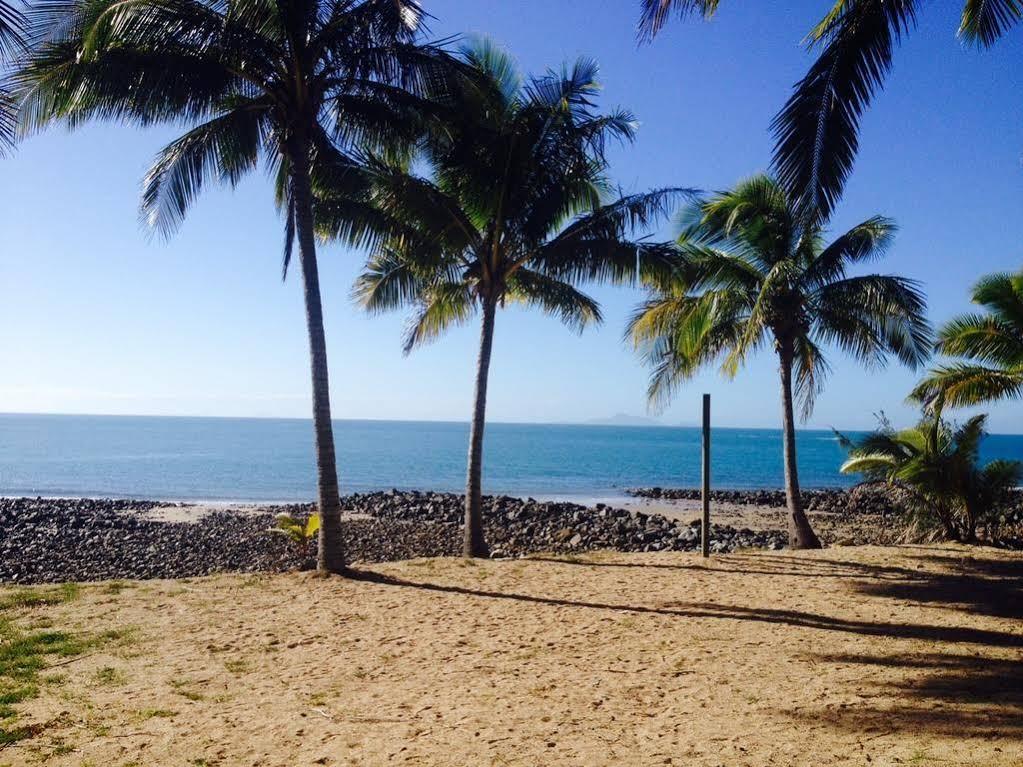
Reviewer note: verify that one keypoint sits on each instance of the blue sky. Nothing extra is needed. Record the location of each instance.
(98, 317)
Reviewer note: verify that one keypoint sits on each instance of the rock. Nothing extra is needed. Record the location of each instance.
(564, 534)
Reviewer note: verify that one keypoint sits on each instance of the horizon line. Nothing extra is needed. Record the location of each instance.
(308, 419)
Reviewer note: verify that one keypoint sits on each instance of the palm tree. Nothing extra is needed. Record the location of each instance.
(515, 212)
(12, 43)
(817, 130)
(751, 272)
(288, 82)
(992, 342)
(939, 465)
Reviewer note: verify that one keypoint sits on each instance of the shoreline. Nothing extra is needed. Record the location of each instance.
(623, 496)
(78, 539)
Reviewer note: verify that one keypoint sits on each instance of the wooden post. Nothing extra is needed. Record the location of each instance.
(705, 495)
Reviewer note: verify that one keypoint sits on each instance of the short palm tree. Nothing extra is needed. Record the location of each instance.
(939, 465)
(514, 211)
(817, 131)
(288, 82)
(991, 343)
(751, 273)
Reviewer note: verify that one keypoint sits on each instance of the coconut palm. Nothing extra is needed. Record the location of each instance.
(288, 82)
(817, 130)
(751, 272)
(939, 465)
(514, 211)
(992, 344)
(12, 43)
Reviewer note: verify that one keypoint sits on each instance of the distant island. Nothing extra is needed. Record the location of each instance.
(623, 419)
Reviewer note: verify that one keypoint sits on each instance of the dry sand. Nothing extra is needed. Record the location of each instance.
(738, 515)
(850, 656)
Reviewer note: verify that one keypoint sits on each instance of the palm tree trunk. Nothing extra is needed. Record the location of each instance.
(330, 555)
(473, 542)
(801, 535)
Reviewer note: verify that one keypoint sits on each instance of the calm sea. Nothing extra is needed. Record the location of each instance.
(238, 459)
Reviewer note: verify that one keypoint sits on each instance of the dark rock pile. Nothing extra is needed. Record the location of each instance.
(516, 526)
(49, 540)
(862, 499)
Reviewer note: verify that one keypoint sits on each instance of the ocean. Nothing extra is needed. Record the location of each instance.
(271, 460)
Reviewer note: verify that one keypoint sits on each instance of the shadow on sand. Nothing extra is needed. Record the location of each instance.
(986, 692)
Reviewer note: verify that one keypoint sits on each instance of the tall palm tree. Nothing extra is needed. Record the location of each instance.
(514, 211)
(991, 343)
(817, 131)
(752, 272)
(12, 43)
(288, 82)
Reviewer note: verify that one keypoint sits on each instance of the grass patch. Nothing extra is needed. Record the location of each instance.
(180, 687)
(237, 666)
(110, 676)
(65, 592)
(26, 653)
(156, 713)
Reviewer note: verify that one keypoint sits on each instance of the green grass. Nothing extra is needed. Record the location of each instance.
(25, 653)
(110, 676)
(180, 687)
(156, 713)
(237, 666)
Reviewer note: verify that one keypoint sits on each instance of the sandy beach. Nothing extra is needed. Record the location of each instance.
(850, 656)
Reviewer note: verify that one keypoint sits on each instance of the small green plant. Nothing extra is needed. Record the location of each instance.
(156, 713)
(108, 675)
(299, 533)
(237, 666)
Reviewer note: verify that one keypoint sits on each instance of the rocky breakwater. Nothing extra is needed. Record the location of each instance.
(51, 540)
(516, 526)
(862, 499)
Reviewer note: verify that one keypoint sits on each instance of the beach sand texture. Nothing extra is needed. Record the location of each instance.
(850, 656)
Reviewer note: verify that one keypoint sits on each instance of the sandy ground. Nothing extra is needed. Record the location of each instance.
(735, 514)
(195, 512)
(850, 656)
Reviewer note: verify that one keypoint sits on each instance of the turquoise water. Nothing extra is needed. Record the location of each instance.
(272, 459)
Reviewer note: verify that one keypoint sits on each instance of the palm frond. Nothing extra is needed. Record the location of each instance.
(873, 316)
(1002, 295)
(982, 337)
(655, 13)
(812, 369)
(394, 279)
(554, 297)
(226, 148)
(963, 384)
(679, 334)
(446, 305)
(985, 21)
(817, 131)
(864, 242)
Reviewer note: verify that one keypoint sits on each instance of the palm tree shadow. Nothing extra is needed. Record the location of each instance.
(954, 695)
(710, 610)
(757, 564)
(972, 584)
(957, 690)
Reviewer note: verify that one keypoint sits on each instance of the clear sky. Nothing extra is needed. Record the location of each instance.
(97, 317)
